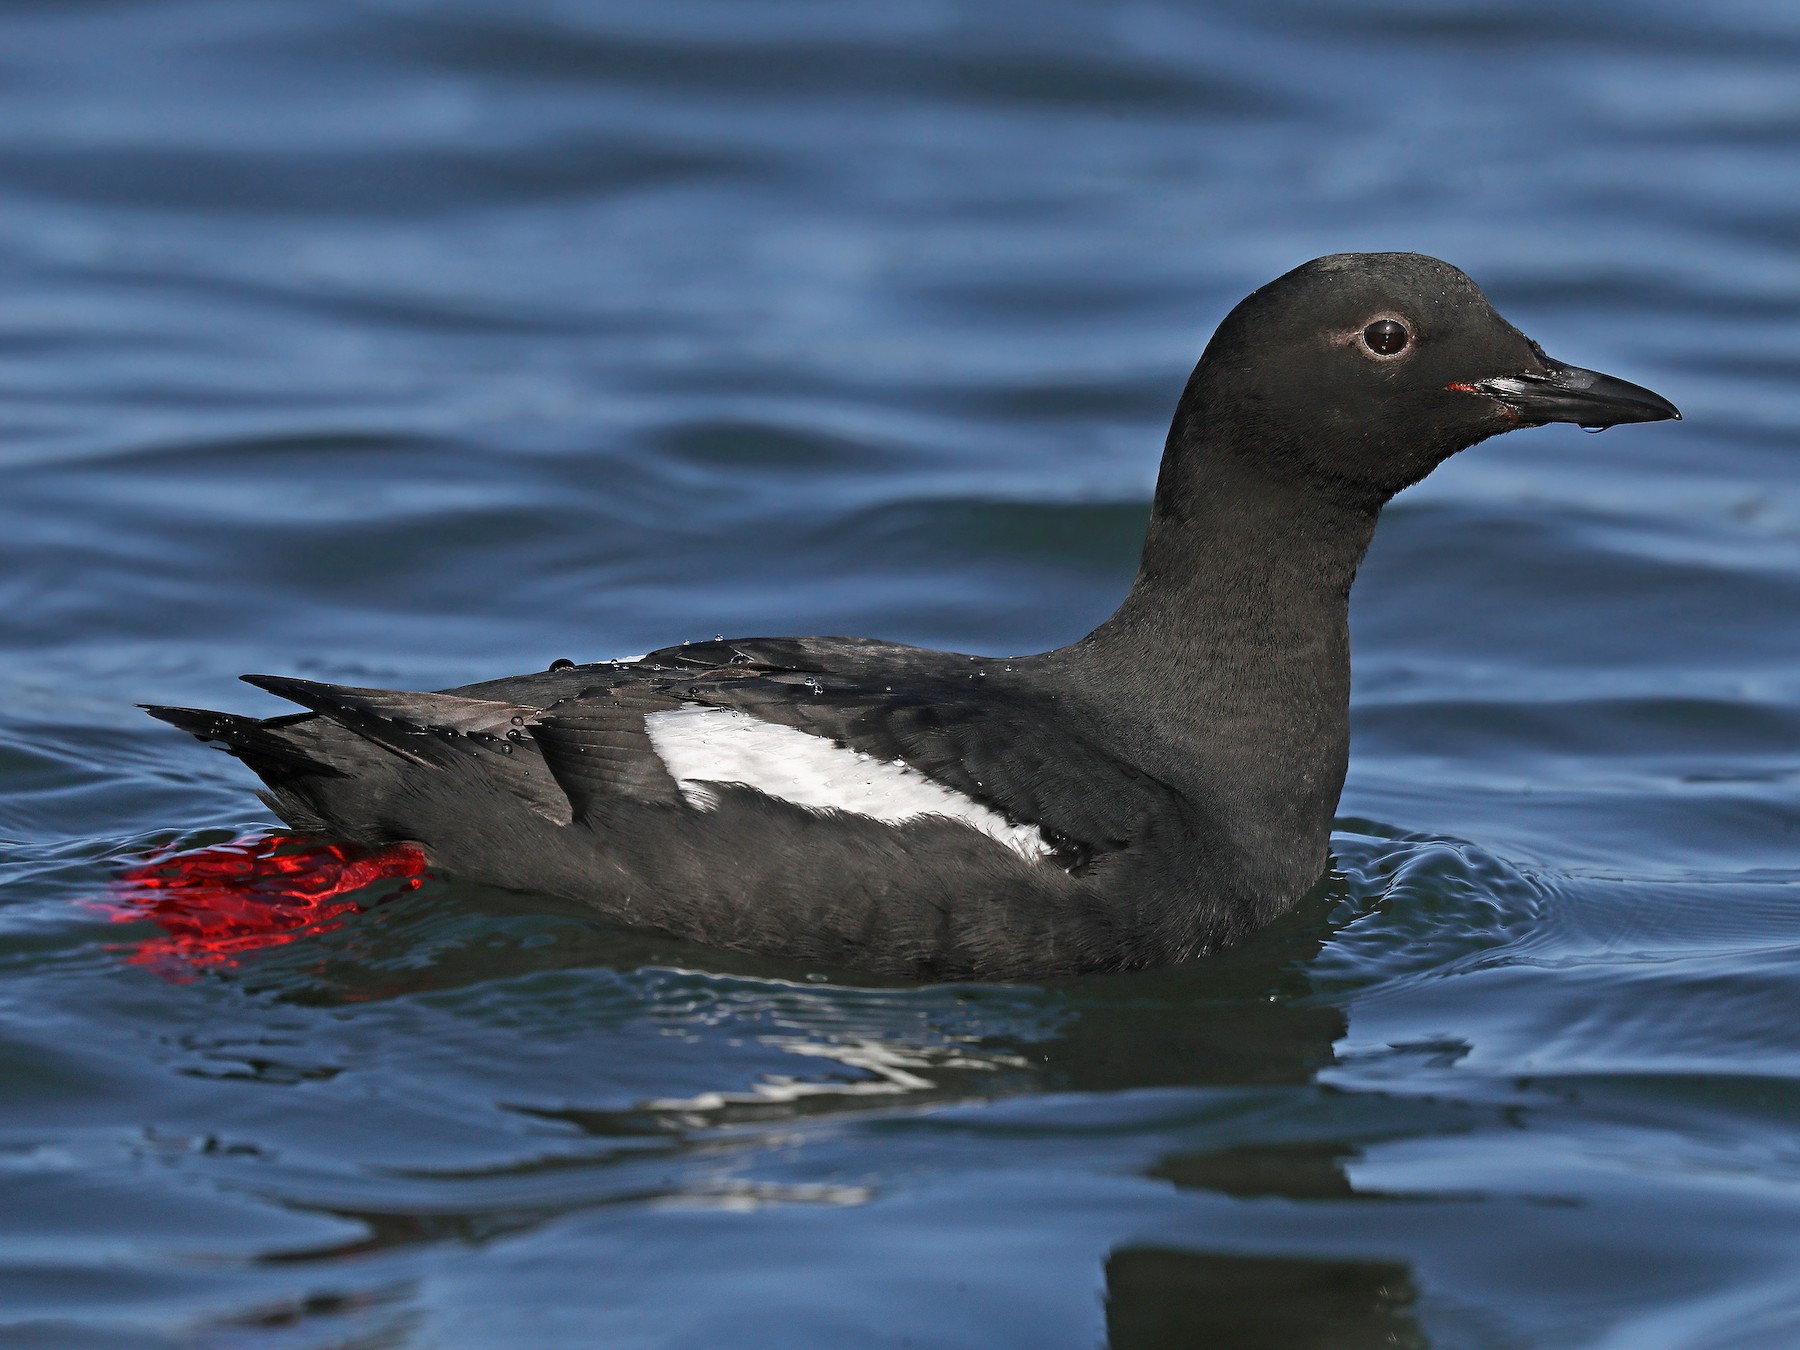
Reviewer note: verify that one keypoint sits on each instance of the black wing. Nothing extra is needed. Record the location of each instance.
(961, 721)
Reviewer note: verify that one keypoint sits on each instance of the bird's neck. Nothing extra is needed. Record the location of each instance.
(1232, 650)
(1242, 572)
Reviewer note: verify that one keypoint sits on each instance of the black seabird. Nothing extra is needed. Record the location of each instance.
(1149, 793)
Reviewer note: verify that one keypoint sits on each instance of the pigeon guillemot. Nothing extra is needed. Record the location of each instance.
(1149, 793)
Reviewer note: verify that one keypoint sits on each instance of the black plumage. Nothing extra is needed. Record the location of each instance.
(1180, 764)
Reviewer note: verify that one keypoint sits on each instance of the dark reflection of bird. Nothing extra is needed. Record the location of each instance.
(1153, 791)
(1162, 1298)
(1243, 1020)
(1238, 1037)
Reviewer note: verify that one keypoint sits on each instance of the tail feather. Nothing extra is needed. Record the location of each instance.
(378, 764)
(252, 739)
(411, 725)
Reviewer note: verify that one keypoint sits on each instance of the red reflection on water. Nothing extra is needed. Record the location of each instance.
(217, 902)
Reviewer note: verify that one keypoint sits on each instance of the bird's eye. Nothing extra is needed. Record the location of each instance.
(1385, 337)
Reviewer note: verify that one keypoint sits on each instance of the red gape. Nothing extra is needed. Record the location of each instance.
(258, 891)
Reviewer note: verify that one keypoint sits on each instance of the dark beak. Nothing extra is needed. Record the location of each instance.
(1562, 393)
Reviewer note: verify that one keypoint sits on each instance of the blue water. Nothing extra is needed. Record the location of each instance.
(411, 344)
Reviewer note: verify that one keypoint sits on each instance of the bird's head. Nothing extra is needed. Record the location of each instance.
(1365, 371)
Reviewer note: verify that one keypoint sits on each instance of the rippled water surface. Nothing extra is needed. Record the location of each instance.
(411, 344)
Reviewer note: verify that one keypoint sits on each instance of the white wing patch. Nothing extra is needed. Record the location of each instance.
(704, 746)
